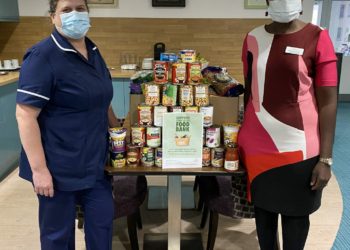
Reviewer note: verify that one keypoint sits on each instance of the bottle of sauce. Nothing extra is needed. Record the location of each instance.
(231, 159)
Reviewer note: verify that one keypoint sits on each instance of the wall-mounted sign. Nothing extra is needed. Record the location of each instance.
(182, 140)
(168, 3)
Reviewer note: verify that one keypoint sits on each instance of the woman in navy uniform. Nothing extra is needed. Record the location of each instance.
(63, 113)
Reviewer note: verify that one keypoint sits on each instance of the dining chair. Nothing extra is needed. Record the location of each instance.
(129, 192)
(225, 195)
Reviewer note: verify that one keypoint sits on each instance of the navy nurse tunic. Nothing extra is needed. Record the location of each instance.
(74, 95)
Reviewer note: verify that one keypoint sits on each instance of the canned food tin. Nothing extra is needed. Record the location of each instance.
(179, 73)
(133, 156)
(194, 74)
(201, 95)
(158, 115)
(206, 157)
(230, 134)
(217, 157)
(152, 94)
(212, 137)
(208, 113)
(191, 109)
(186, 95)
(176, 109)
(145, 115)
(231, 159)
(160, 70)
(153, 137)
(147, 157)
(138, 136)
(159, 157)
(169, 95)
(118, 159)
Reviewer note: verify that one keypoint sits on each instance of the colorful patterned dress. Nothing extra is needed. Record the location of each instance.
(279, 140)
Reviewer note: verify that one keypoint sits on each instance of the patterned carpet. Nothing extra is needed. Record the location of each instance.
(341, 171)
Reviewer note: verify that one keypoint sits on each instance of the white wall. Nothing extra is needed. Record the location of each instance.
(143, 8)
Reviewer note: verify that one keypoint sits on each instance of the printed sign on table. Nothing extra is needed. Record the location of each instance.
(182, 140)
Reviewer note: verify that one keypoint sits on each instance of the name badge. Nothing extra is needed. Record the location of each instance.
(294, 51)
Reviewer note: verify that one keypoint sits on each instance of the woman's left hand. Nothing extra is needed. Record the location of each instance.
(320, 176)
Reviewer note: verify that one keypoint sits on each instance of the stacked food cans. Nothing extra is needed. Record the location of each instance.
(177, 87)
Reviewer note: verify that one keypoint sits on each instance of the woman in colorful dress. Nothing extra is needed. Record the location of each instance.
(286, 138)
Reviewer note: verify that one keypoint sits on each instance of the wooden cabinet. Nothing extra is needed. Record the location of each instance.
(9, 10)
(121, 97)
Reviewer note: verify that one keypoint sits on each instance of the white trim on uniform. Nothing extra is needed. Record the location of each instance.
(32, 93)
(59, 45)
(94, 48)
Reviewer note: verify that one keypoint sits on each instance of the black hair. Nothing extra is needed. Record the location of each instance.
(53, 5)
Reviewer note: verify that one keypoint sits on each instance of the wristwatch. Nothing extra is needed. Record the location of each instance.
(327, 161)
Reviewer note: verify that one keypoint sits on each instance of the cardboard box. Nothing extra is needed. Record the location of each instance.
(225, 108)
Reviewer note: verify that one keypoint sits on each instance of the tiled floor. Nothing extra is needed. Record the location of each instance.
(19, 227)
(342, 172)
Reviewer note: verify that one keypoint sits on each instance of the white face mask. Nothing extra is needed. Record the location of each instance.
(284, 11)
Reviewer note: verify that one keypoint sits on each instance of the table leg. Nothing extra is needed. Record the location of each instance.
(174, 212)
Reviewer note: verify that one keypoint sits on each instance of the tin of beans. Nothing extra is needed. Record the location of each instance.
(147, 157)
(201, 95)
(206, 154)
(217, 157)
(133, 156)
(153, 137)
(158, 157)
(212, 137)
(186, 95)
(208, 113)
(138, 136)
(152, 94)
(160, 70)
(145, 115)
(169, 95)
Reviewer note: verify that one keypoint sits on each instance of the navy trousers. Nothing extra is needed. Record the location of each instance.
(57, 218)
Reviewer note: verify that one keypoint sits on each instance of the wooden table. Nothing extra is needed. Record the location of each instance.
(174, 192)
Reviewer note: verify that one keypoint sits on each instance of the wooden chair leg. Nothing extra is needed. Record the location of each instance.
(195, 185)
(80, 216)
(200, 204)
(213, 227)
(204, 217)
(139, 219)
(132, 230)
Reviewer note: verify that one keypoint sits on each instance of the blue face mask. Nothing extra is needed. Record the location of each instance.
(75, 24)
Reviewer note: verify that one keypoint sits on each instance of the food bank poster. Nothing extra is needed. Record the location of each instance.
(182, 140)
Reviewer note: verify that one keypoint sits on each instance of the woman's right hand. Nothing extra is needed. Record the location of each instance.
(42, 181)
